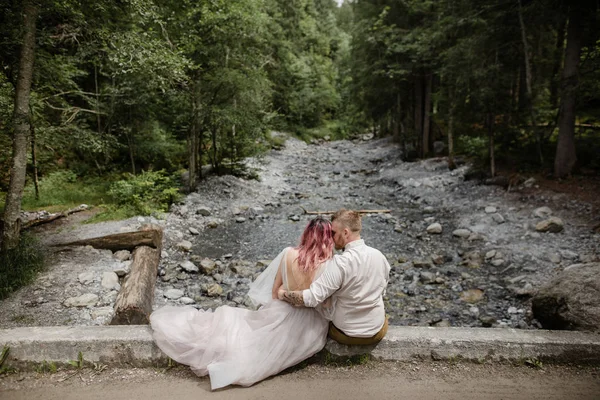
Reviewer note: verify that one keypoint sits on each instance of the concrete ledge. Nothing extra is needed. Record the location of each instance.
(130, 345)
(405, 343)
(133, 345)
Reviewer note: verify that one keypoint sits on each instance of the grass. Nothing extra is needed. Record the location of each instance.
(63, 190)
(20, 266)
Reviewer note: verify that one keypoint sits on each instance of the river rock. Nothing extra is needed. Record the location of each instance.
(542, 212)
(207, 266)
(552, 224)
(571, 300)
(122, 255)
(462, 233)
(85, 300)
(498, 218)
(186, 300)
(173, 294)
(490, 209)
(214, 290)
(110, 280)
(189, 266)
(203, 210)
(434, 228)
(193, 231)
(184, 245)
(86, 278)
(240, 220)
(122, 268)
(472, 295)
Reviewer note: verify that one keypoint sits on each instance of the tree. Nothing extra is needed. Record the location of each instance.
(21, 128)
(566, 156)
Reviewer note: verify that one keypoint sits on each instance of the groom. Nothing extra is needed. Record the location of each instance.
(355, 280)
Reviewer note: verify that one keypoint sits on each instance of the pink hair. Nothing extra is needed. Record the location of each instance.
(316, 244)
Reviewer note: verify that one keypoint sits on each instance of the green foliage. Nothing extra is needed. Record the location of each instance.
(146, 193)
(46, 367)
(21, 265)
(79, 362)
(472, 146)
(63, 189)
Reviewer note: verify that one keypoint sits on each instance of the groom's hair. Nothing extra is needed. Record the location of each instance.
(348, 218)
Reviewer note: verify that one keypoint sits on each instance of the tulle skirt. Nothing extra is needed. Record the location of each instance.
(239, 346)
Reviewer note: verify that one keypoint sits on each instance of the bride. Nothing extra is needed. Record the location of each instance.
(239, 346)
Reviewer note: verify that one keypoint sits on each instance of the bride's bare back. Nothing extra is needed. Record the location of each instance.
(296, 278)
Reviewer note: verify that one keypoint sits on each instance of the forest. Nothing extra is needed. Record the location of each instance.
(109, 102)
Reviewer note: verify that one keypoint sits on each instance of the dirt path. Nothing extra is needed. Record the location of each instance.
(373, 380)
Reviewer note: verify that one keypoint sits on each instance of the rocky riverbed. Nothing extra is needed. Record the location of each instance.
(462, 254)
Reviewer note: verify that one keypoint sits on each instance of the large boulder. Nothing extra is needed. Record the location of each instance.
(571, 300)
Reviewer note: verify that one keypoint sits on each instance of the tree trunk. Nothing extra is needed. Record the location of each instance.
(419, 112)
(149, 236)
(490, 125)
(427, 114)
(566, 156)
(451, 163)
(558, 56)
(528, 85)
(134, 301)
(192, 153)
(34, 160)
(21, 126)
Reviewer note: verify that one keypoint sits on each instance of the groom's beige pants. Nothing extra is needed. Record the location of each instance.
(342, 338)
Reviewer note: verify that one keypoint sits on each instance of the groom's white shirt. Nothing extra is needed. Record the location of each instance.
(356, 282)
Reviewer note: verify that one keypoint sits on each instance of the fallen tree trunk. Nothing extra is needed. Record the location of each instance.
(45, 217)
(358, 211)
(134, 301)
(149, 235)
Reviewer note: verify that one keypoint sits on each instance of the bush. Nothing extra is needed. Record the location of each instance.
(64, 189)
(20, 266)
(146, 193)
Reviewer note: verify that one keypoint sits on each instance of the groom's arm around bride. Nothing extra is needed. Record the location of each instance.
(356, 282)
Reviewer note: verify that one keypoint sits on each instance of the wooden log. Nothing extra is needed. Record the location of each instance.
(45, 217)
(134, 301)
(333, 212)
(149, 235)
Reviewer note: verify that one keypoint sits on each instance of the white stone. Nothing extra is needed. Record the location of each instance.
(490, 209)
(86, 278)
(173, 294)
(512, 310)
(498, 218)
(186, 300)
(568, 254)
(85, 300)
(189, 266)
(122, 268)
(434, 228)
(490, 254)
(462, 233)
(498, 262)
(110, 280)
(184, 245)
(194, 231)
(122, 255)
(542, 212)
(240, 219)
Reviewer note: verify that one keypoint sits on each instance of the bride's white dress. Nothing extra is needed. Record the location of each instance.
(239, 346)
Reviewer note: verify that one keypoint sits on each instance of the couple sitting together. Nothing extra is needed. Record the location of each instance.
(305, 294)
